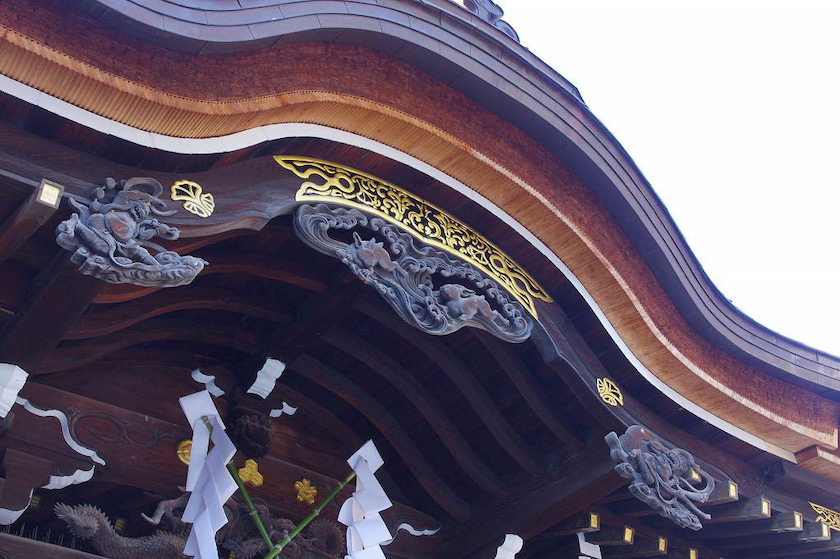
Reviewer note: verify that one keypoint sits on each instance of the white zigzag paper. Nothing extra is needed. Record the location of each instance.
(12, 379)
(209, 382)
(267, 377)
(207, 478)
(366, 531)
(510, 547)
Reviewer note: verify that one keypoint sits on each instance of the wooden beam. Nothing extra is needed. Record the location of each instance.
(24, 473)
(612, 535)
(15, 547)
(472, 389)
(741, 511)
(77, 354)
(312, 369)
(60, 295)
(535, 505)
(780, 522)
(256, 265)
(426, 403)
(581, 522)
(114, 318)
(35, 211)
(525, 383)
(643, 546)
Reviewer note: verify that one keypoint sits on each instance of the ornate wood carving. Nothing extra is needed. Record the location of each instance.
(425, 286)
(666, 479)
(110, 236)
(344, 186)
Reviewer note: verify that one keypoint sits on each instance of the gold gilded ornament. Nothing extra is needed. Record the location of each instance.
(196, 202)
(830, 518)
(350, 187)
(184, 450)
(306, 492)
(609, 392)
(251, 473)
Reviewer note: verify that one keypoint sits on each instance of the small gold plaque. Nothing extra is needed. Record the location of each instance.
(609, 392)
(628, 534)
(594, 520)
(663, 544)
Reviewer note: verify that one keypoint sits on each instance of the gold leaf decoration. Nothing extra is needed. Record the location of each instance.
(830, 518)
(350, 187)
(306, 492)
(184, 450)
(196, 202)
(251, 473)
(609, 392)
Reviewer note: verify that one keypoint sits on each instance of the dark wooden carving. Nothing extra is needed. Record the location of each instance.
(110, 236)
(427, 288)
(666, 479)
(321, 540)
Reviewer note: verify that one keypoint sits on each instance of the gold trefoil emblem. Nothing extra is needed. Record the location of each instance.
(609, 392)
(195, 200)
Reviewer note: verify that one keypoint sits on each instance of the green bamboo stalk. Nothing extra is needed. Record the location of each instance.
(312, 515)
(252, 510)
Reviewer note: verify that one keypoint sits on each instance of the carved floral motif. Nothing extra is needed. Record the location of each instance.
(662, 477)
(425, 286)
(110, 236)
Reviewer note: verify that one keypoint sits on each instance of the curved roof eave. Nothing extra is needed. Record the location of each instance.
(477, 59)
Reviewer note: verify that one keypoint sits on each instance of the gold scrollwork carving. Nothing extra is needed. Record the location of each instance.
(349, 187)
(830, 518)
(196, 202)
(610, 392)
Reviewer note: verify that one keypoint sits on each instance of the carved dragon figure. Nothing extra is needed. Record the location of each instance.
(321, 540)
(661, 477)
(110, 234)
(90, 523)
(406, 273)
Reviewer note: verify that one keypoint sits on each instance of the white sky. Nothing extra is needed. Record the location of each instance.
(732, 111)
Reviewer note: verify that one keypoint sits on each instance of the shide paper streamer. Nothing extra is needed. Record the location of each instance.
(207, 478)
(12, 379)
(510, 547)
(267, 377)
(366, 531)
(209, 382)
(287, 410)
